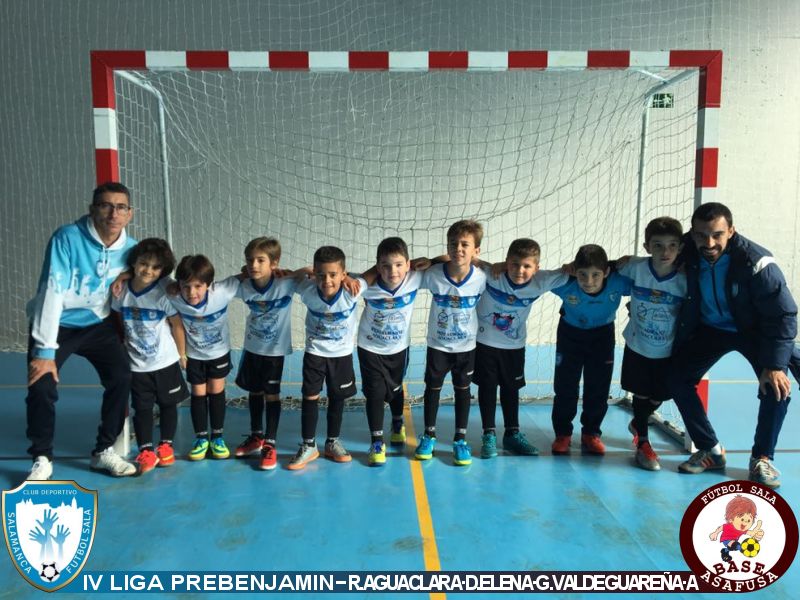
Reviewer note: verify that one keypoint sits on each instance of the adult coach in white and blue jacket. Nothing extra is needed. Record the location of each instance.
(737, 300)
(70, 315)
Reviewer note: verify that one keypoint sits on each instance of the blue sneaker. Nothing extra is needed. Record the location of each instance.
(199, 449)
(219, 449)
(425, 447)
(517, 443)
(462, 453)
(488, 445)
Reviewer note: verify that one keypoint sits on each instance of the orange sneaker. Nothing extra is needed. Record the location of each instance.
(146, 461)
(269, 458)
(561, 444)
(166, 455)
(592, 444)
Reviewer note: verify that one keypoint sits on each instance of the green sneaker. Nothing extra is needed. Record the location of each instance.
(398, 437)
(218, 448)
(517, 443)
(377, 454)
(488, 445)
(199, 449)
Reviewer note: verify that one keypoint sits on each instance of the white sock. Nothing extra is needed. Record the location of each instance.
(716, 450)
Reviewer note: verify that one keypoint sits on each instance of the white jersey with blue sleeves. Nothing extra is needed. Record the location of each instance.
(148, 336)
(655, 304)
(330, 324)
(453, 321)
(588, 311)
(385, 326)
(268, 331)
(504, 308)
(206, 324)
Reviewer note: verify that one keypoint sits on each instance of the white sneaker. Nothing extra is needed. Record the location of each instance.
(42, 469)
(110, 461)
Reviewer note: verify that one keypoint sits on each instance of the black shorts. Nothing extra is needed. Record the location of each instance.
(198, 372)
(382, 374)
(337, 374)
(499, 366)
(259, 373)
(439, 363)
(164, 387)
(645, 376)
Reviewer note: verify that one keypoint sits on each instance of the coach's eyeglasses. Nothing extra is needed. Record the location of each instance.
(107, 207)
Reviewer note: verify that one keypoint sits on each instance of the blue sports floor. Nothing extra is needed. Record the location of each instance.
(508, 513)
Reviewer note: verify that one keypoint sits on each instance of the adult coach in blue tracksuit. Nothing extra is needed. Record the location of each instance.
(737, 300)
(70, 315)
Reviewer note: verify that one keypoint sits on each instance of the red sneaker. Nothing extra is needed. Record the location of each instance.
(646, 457)
(146, 461)
(561, 444)
(251, 445)
(635, 434)
(592, 444)
(166, 455)
(269, 457)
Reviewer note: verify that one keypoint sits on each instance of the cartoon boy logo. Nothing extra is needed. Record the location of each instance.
(739, 515)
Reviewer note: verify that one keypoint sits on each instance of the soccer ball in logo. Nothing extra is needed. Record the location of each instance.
(49, 572)
(750, 548)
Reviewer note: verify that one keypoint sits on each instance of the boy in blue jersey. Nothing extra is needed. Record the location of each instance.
(328, 359)
(658, 292)
(500, 352)
(155, 341)
(69, 315)
(267, 341)
(456, 287)
(585, 344)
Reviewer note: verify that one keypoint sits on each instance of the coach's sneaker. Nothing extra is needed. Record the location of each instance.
(335, 451)
(42, 469)
(110, 461)
(199, 449)
(251, 445)
(592, 444)
(489, 445)
(703, 460)
(425, 447)
(647, 458)
(462, 453)
(166, 454)
(147, 460)
(269, 457)
(219, 449)
(561, 444)
(517, 443)
(304, 455)
(398, 437)
(377, 454)
(763, 471)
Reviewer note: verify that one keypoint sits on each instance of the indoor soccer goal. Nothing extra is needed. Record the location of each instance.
(346, 148)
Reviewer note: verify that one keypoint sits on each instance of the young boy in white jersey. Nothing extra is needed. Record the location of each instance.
(330, 326)
(384, 335)
(500, 352)
(456, 286)
(203, 307)
(267, 341)
(585, 345)
(658, 292)
(155, 354)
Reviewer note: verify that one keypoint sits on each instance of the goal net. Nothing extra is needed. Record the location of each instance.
(348, 158)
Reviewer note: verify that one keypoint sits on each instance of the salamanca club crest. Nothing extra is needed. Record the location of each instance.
(49, 529)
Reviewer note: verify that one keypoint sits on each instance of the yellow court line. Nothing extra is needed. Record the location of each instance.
(429, 549)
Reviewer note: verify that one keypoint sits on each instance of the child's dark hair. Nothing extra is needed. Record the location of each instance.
(111, 187)
(591, 255)
(329, 254)
(268, 245)
(195, 266)
(524, 248)
(155, 249)
(466, 227)
(392, 245)
(712, 211)
(663, 226)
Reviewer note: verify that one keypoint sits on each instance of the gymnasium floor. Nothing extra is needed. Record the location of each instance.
(509, 513)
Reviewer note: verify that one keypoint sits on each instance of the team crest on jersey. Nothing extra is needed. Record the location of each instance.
(613, 297)
(572, 299)
(49, 529)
